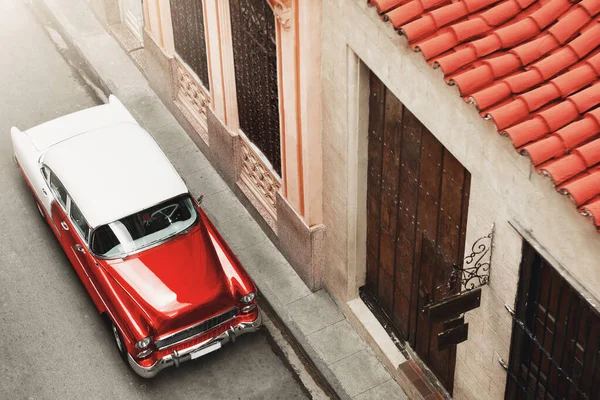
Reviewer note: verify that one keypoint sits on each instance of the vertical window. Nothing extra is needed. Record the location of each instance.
(79, 221)
(189, 36)
(46, 173)
(555, 346)
(58, 189)
(255, 59)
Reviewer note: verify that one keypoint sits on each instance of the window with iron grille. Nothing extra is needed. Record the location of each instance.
(555, 346)
(189, 36)
(255, 58)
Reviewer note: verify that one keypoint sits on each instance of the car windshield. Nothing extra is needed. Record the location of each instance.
(144, 228)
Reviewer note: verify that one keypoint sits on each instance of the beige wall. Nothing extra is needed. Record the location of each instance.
(504, 185)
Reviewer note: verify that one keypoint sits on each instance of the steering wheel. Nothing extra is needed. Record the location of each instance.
(166, 212)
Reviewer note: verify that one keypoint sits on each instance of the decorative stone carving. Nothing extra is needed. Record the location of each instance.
(283, 11)
(259, 178)
(191, 98)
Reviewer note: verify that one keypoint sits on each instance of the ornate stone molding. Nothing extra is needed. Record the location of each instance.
(283, 11)
(259, 178)
(191, 98)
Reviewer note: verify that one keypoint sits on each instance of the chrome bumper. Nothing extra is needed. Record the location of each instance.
(177, 357)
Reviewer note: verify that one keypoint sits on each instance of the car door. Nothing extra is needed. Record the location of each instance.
(85, 264)
(72, 232)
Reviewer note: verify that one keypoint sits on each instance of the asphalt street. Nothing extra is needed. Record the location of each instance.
(53, 343)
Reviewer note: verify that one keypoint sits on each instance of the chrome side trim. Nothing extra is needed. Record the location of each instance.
(177, 357)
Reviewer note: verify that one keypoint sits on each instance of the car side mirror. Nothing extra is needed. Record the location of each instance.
(200, 199)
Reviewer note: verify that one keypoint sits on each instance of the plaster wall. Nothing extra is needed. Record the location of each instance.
(504, 187)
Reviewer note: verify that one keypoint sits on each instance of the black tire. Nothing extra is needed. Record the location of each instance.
(119, 342)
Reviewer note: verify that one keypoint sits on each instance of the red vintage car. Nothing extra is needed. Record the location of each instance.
(151, 260)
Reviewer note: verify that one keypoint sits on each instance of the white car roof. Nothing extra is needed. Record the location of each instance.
(113, 172)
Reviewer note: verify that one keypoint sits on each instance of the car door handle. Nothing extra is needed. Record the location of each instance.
(64, 226)
(79, 248)
(44, 191)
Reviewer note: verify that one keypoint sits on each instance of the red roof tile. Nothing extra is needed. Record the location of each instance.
(592, 209)
(530, 66)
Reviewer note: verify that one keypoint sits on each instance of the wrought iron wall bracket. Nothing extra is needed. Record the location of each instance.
(474, 271)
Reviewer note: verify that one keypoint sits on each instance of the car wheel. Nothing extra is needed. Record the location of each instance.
(119, 342)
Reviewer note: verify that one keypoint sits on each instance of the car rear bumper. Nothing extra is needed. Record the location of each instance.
(178, 357)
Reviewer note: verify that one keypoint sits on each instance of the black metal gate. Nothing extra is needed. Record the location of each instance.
(189, 36)
(555, 346)
(255, 58)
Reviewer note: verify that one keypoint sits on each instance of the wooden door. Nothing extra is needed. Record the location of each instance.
(417, 200)
(132, 17)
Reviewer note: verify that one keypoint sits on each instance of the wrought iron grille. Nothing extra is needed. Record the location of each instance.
(255, 58)
(474, 271)
(555, 346)
(189, 36)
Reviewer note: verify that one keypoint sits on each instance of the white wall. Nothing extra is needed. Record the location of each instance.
(504, 185)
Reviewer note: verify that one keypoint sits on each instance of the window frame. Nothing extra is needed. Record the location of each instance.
(47, 174)
(85, 236)
(54, 190)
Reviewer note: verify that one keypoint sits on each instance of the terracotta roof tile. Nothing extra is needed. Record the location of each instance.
(530, 66)
(592, 209)
(583, 189)
(563, 140)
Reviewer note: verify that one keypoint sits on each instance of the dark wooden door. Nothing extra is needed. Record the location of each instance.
(417, 200)
(555, 346)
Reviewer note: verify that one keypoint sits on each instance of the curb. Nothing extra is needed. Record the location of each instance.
(315, 366)
(324, 376)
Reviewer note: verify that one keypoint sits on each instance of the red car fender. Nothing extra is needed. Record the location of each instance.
(124, 312)
(239, 280)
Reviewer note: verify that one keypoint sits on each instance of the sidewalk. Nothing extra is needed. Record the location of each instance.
(314, 322)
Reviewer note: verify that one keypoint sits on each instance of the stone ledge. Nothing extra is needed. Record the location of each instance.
(223, 148)
(373, 328)
(303, 246)
(410, 377)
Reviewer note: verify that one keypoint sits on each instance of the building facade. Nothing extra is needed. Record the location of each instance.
(415, 181)
(377, 122)
(243, 78)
